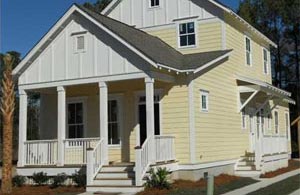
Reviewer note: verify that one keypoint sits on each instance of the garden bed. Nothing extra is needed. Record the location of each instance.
(293, 165)
(223, 184)
(46, 190)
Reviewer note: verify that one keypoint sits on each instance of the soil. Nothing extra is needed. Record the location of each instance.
(293, 165)
(46, 190)
(184, 184)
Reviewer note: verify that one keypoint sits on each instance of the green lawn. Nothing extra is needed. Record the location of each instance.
(283, 187)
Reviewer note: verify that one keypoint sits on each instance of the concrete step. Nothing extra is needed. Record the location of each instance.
(115, 175)
(246, 163)
(116, 168)
(245, 168)
(114, 182)
(253, 173)
(98, 189)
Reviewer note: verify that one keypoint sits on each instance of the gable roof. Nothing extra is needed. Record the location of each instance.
(151, 48)
(217, 3)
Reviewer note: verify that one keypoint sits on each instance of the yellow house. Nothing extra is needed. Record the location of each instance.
(184, 84)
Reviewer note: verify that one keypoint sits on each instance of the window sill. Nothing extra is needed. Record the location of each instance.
(187, 47)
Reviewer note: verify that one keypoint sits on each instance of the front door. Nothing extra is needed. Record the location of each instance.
(143, 119)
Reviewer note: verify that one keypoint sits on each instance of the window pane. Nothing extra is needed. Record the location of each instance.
(248, 44)
(248, 58)
(79, 113)
(80, 42)
(79, 131)
(191, 39)
(183, 40)
(114, 111)
(115, 134)
(156, 2)
(182, 29)
(204, 102)
(72, 131)
(71, 113)
(191, 28)
(109, 133)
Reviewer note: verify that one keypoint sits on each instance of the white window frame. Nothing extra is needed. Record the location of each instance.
(178, 34)
(246, 52)
(118, 98)
(154, 6)
(266, 64)
(276, 126)
(287, 124)
(205, 94)
(244, 119)
(75, 42)
(269, 122)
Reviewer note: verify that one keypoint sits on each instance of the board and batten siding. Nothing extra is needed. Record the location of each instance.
(103, 56)
(139, 13)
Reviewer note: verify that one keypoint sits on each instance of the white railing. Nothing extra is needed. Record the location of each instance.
(274, 144)
(75, 150)
(164, 148)
(95, 161)
(143, 160)
(40, 152)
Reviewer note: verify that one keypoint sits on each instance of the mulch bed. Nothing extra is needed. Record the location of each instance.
(293, 165)
(46, 190)
(183, 185)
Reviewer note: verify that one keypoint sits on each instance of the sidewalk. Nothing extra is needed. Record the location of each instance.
(264, 183)
(296, 192)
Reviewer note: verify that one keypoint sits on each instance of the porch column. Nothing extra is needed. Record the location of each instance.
(61, 124)
(22, 126)
(103, 98)
(149, 82)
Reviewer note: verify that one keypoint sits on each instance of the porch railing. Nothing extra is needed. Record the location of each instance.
(41, 152)
(274, 144)
(164, 148)
(75, 149)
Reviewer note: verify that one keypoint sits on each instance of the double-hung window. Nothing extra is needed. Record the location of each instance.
(276, 119)
(187, 34)
(266, 61)
(248, 51)
(113, 123)
(204, 100)
(75, 120)
(244, 119)
(154, 3)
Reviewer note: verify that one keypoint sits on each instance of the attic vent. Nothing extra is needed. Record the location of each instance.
(80, 43)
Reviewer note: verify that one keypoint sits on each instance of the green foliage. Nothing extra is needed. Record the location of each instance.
(158, 179)
(18, 180)
(40, 178)
(59, 180)
(79, 178)
(98, 6)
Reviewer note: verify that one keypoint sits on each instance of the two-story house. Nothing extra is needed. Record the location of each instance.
(184, 84)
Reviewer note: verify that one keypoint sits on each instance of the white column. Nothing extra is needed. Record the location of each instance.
(22, 127)
(61, 124)
(149, 82)
(103, 99)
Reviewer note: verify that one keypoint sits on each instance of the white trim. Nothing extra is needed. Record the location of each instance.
(276, 130)
(246, 52)
(187, 21)
(224, 36)
(75, 42)
(288, 126)
(155, 6)
(206, 94)
(192, 122)
(51, 171)
(187, 167)
(268, 61)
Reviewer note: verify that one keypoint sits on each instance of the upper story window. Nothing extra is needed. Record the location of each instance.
(248, 51)
(266, 61)
(204, 100)
(187, 34)
(154, 3)
(79, 43)
(276, 119)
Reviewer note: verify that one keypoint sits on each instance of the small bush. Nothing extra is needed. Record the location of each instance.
(59, 180)
(18, 180)
(158, 179)
(40, 178)
(79, 178)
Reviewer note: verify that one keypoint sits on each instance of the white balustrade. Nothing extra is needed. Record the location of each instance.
(41, 152)
(274, 144)
(75, 150)
(164, 148)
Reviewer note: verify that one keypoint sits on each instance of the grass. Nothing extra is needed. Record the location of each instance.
(283, 187)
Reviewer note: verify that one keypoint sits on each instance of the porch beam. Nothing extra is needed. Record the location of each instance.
(61, 124)
(162, 77)
(248, 100)
(149, 82)
(23, 102)
(103, 99)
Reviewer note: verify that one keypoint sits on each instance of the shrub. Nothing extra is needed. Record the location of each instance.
(79, 177)
(59, 180)
(40, 178)
(158, 179)
(18, 180)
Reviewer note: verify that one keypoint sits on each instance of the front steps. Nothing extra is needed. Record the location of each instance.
(115, 179)
(246, 166)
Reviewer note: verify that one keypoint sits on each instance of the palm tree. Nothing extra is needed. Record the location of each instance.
(7, 109)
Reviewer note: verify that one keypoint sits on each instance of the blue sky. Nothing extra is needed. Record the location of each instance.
(23, 23)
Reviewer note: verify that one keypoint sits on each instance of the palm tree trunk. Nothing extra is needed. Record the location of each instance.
(7, 109)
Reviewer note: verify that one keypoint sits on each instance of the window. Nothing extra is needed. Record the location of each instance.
(257, 124)
(262, 121)
(248, 52)
(187, 36)
(204, 100)
(287, 125)
(276, 122)
(113, 123)
(154, 3)
(269, 125)
(80, 44)
(244, 119)
(266, 61)
(75, 120)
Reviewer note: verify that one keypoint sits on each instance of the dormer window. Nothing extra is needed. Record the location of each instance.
(187, 34)
(154, 3)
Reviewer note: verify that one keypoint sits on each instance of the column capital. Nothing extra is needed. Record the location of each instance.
(102, 84)
(149, 80)
(22, 92)
(60, 88)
